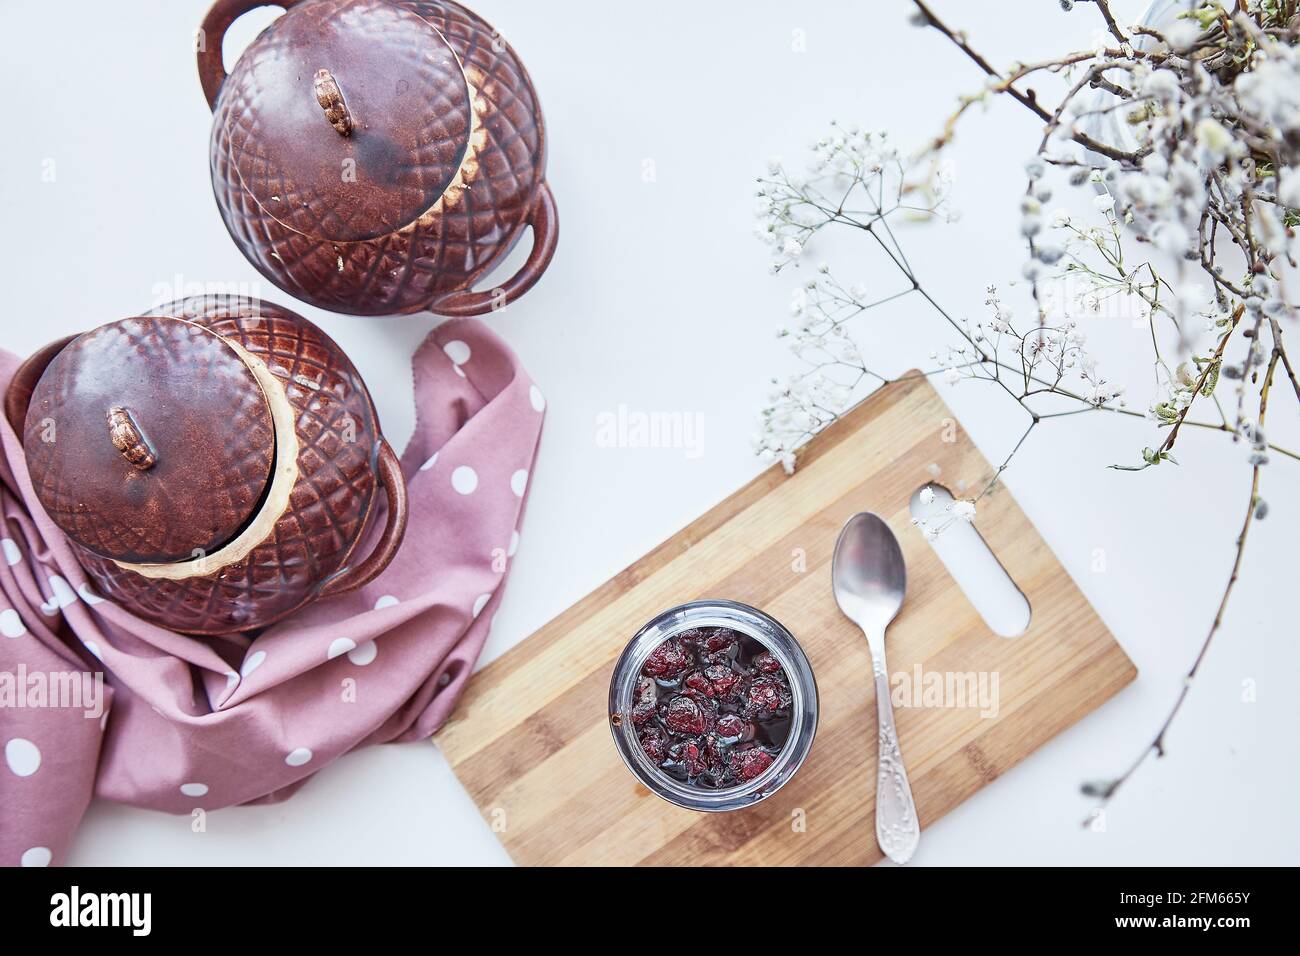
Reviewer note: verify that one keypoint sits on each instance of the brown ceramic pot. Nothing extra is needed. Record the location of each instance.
(378, 156)
(214, 462)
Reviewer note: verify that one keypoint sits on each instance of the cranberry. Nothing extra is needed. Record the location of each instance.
(699, 683)
(729, 725)
(694, 638)
(667, 661)
(721, 679)
(720, 646)
(684, 716)
(765, 663)
(748, 764)
(766, 697)
(713, 756)
(653, 743)
(688, 755)
(643, 705)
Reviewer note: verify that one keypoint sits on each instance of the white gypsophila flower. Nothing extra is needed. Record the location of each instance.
(1103, 392)
(952, 376)
(926, 496)
(791, 247)
(1105, 202)
(963, 509)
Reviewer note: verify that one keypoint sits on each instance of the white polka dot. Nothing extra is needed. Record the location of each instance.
(62, 590)
(386, 601)
(535, 396)
(94, 649)
(89, 596)
(430, 463)
(252, 662)
(481, 602)
(194, 789)
(298, 757)
(36, 856)
(363, 653)
(11, 625)
(339, 646)
(12, 552)
(23, 756)
(519, 482)
(514, 544)
(464, 479)
(457, 351)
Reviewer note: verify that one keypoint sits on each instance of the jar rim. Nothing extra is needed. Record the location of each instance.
(753, 623)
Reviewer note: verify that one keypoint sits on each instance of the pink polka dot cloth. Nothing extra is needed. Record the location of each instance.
(210, 722)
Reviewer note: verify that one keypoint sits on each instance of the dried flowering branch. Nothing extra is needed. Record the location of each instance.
(1186, 130)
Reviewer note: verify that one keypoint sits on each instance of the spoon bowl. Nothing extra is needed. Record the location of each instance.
(868, 574)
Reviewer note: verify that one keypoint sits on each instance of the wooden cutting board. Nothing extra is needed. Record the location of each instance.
(530, 739)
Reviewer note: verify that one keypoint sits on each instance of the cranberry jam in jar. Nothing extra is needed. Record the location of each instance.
(713, 705)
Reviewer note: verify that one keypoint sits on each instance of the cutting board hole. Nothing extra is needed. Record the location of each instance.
(973, 565)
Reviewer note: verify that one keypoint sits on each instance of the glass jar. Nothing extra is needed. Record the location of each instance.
(778, 641)
(1104, 121)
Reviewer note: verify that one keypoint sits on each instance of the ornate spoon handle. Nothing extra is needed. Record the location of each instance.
(897, 829)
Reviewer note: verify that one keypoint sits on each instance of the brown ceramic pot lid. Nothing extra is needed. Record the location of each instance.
(149, 440)
(348, 119)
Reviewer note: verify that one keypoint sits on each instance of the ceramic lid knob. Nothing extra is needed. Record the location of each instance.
(330, 97)
(393, 133)
(125, 435)
(149, 440)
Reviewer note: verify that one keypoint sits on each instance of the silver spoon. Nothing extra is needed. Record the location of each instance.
(869, 579)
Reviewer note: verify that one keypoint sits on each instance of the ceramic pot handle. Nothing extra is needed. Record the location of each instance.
(546, 234)
(390, 476)
(19, 394)
(212, 33)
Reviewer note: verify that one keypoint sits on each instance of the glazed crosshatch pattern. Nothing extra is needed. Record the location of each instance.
(330, 505)
(434, 257)
(530, 739)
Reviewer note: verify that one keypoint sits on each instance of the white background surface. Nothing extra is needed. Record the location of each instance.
(658, 299)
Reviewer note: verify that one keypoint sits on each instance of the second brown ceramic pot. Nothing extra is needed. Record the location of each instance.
(215, 462)
(378, 156)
